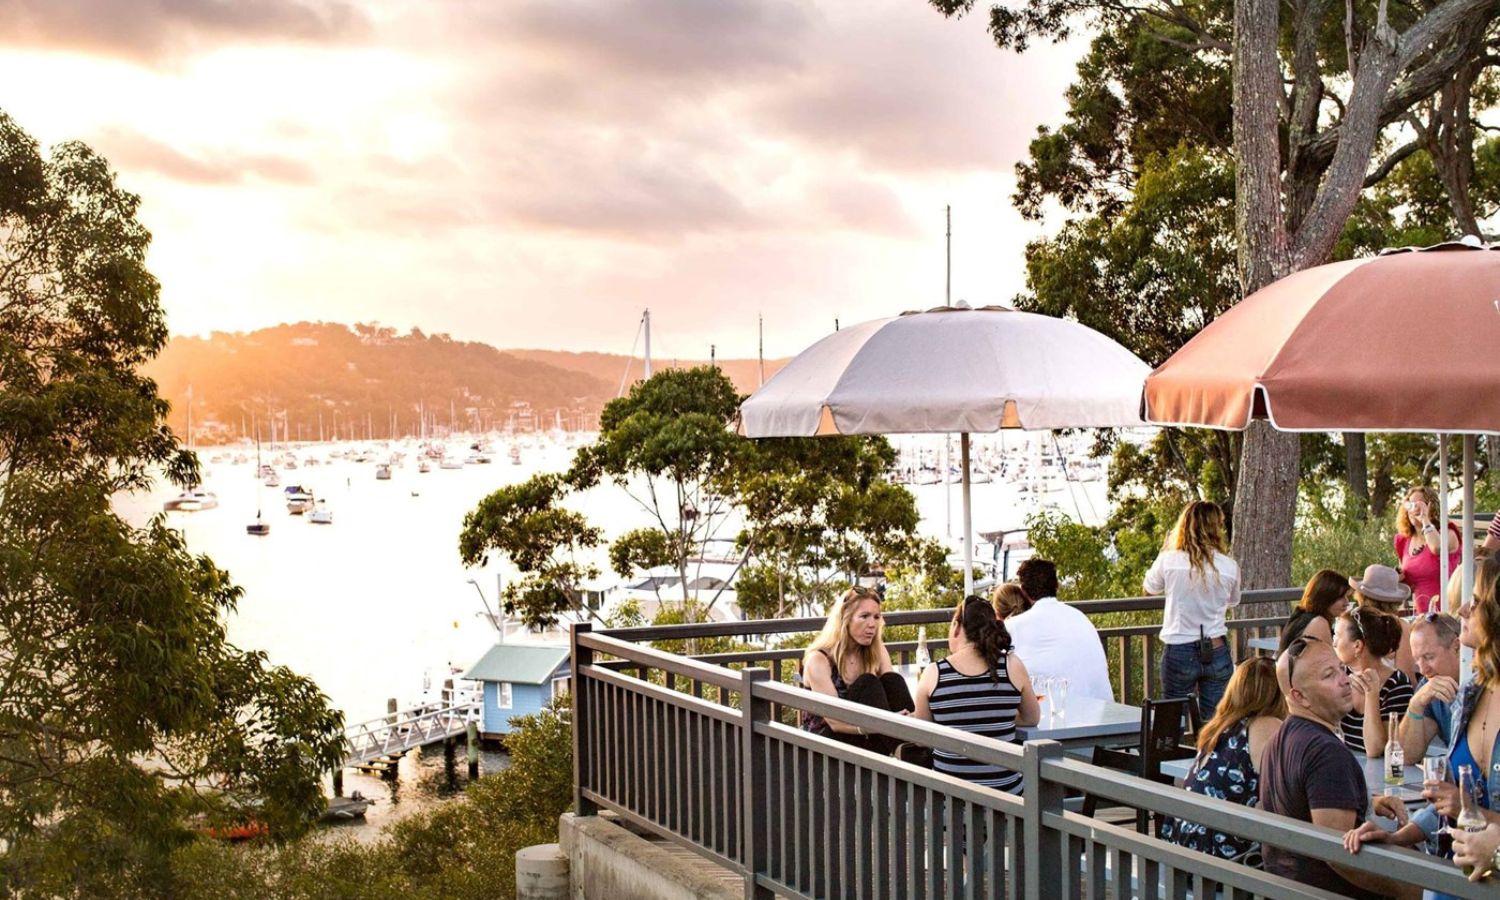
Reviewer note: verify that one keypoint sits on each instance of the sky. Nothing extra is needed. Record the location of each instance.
(535, 173)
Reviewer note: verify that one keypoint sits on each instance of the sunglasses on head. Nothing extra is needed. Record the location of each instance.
(1294, 650)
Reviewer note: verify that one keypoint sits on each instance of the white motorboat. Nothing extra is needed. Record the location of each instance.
(321, 514)
(423, 467)
(451, 462)
(382, 472)
(193, 500)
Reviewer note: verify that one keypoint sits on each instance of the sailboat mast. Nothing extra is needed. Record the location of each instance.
(760, 351)
(646, 323)
(948, 287)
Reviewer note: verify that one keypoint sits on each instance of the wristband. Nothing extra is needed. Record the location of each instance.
(1418, 716)
(1428, 527)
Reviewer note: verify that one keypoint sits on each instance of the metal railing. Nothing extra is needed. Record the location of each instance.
(691, 750)
(406, 730)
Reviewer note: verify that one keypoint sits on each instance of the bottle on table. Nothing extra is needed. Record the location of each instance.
(1395, 757)
(923, 657)
(1470, 818)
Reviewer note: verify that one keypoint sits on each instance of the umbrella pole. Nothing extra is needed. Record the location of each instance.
(963, 461)
(1466, 655)
(1443, 521)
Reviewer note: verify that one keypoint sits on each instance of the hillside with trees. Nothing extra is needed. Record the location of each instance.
(331, 380)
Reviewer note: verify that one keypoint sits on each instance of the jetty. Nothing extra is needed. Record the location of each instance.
(379, 743)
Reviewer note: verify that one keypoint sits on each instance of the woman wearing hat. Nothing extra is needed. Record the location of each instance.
(1381, 589)
(1418, 544)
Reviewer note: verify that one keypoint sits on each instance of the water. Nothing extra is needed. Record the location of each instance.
(374, 603)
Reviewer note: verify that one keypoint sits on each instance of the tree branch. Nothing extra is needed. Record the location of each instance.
(1391, 162)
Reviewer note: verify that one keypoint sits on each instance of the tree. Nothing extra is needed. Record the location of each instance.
(123, 708)
(1303, 152)
(795, 516)
(526, 523)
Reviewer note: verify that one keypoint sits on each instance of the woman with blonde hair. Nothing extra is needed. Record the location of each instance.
(1230, 747)
(1201, 583)
(1418, 543)
(848, 660)
(1009, 599)
(1476, 731)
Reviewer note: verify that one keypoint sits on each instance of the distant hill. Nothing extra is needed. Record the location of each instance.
(364, 381)
(610, 367)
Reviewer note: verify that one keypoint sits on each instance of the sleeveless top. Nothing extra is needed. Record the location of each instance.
(1225, 773)
(1424, 570)
(815, 723)
(1395, 694)
(979, 705)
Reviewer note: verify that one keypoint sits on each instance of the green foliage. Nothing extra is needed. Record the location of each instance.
(1340, 541)
(125, 711)
(462, 850)
(815, 511)
(640, 548)
(526, 523)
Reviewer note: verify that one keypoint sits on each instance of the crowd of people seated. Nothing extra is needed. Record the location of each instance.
(1287, 733)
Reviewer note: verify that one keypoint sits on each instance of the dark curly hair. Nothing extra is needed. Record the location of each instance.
(983, 629)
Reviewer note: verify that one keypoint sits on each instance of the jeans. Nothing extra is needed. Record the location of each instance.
(1183, 675)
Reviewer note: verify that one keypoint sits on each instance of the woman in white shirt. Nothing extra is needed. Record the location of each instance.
(1201, 582)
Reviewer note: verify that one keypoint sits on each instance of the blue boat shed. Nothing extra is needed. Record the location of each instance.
(518, 679)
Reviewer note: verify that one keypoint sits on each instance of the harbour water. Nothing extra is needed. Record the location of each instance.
(375, 604)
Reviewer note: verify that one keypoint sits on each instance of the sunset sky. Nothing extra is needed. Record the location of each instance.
(532, 173)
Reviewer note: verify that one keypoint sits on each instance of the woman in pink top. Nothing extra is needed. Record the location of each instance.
(1418, 543)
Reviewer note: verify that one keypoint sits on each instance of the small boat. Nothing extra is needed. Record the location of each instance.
(345, 809)
(258, 528)
(515, 455)
(321, 514)
(273, 480)
(450, 462)
(423, 467)
(382, 472)
(192, 500)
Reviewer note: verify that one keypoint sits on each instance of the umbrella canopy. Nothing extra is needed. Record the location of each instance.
(948, 370)
(1341, 347)
(951, 369)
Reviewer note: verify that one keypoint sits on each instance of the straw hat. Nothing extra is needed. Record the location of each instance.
(1382, 583)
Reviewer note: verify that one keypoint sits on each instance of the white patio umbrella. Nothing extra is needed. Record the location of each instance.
(951, 369)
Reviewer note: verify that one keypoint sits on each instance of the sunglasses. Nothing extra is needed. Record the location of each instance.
(1294, 650)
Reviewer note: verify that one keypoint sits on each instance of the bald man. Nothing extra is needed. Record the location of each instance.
(1308, 774)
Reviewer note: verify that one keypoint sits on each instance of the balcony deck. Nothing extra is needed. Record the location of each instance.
(704, 753)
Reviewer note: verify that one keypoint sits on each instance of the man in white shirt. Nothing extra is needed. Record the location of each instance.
(1054, 639)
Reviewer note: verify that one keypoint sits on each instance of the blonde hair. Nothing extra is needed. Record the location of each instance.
(1199, 532)
(1486, 609)
(1403, 521)
(1008, 599)
(1252, 691)
(834, 639)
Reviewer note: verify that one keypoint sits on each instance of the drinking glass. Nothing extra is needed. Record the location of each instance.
(1043, 687)
(1060, 695)
(1434, 768)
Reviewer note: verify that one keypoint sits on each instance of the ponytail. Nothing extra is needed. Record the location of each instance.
(985, 631)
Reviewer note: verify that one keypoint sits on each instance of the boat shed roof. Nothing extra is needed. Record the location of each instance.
(519, 663)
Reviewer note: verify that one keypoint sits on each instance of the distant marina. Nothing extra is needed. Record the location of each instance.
(375, 606)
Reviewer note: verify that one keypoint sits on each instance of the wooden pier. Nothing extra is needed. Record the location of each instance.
(379, 742)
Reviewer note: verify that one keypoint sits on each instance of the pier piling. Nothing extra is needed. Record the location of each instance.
(338, 782)
(471, 740)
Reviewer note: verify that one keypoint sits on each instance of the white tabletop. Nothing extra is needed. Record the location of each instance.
(1410, 789)
(1084, 719)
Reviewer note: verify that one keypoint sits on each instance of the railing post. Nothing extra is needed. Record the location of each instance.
(581, 657)
(754, 780)
(1043, 847)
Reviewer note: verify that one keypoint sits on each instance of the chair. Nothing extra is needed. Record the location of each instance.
(1165, 729)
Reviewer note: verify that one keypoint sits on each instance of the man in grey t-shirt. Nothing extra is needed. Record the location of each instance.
(1308, 773)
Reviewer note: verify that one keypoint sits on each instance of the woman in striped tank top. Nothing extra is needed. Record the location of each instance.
(981, 688)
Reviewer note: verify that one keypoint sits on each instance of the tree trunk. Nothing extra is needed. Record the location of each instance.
(1265, 504)
(1356, 472)
(1265, 496)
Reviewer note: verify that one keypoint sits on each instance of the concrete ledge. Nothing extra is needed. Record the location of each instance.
(607, 862)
